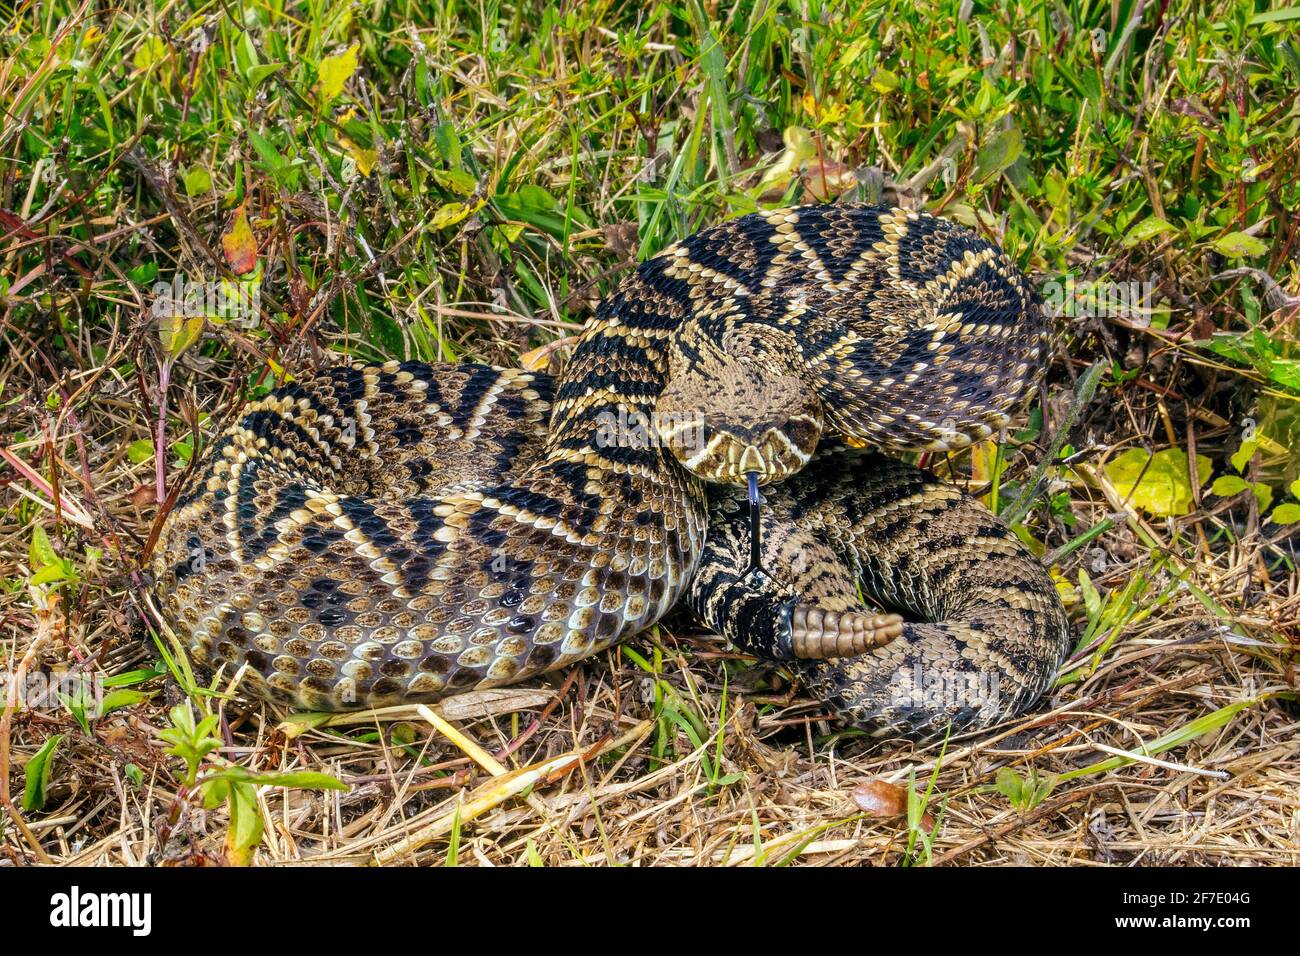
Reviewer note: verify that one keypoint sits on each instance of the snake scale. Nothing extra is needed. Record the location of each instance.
(406, 531)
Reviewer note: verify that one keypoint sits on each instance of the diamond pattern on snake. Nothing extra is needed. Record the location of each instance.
(401, 532)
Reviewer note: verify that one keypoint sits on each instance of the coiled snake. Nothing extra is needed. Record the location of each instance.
(402, 532)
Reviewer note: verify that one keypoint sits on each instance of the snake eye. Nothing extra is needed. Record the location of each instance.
(803, 433)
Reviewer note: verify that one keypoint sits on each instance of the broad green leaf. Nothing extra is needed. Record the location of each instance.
(1285, 372)
(256, 74)
(245, 824)
(1148, 228)
(1241, 458)
(1165, 487)
(448, 143)
(335, 71)
(151, 51)
(41, 552)
(999, 152)
(139, 451)
(178, 332)
(1010, 785)
(37, 775)
(198, 181)
(1275, 16)
(215, 793)
(1288, 513)
(1239, 245)
(118, 699)
(143, 274)
(883, 81)
(50, 574)
(1225, 486)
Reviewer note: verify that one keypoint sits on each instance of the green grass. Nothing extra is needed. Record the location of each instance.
(464, 181)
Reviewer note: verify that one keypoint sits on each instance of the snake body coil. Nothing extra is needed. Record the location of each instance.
(401, 532)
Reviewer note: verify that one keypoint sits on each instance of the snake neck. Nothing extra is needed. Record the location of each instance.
(605, 398)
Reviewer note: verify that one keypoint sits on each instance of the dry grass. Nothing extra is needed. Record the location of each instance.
(1172, 735)
(646, 791)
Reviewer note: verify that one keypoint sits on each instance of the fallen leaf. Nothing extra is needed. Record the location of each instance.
(238, 244)
(335, 71)
(880, 799)
(1165, 487)
(548, 357)
(364, 158)
(142, 496)
(876, 798)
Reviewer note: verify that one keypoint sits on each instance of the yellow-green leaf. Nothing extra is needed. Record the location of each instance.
(453, 212)
(151, 51)
(1288, 513)
(364, 158)
(799, 148)
(197, 181)
(245, 824)
(139, 451)
(178, 332)
(1225, 486)
(1241, 458)
(335, 71)
(41, 553)
(1148, 228)
(883, 81)
(1240, 245)
(1165, 487)
(999, 153)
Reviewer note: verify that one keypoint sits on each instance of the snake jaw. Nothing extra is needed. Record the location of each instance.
(818, 634)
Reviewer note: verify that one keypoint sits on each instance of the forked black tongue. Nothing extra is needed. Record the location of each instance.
(755, 527)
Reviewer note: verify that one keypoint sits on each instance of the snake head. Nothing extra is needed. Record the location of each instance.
(737, 413)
